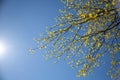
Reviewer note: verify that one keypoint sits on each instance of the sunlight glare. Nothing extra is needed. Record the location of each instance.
(2, 48)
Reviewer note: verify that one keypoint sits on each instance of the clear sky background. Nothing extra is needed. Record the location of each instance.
(20, 22)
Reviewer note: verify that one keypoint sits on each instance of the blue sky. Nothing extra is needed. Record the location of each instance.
(20, 22)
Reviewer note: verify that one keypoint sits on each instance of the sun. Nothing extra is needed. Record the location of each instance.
(2, 48)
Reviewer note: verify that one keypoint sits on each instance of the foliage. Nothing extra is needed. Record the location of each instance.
(85, 31)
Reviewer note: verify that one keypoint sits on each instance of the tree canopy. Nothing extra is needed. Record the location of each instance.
(86, 30)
